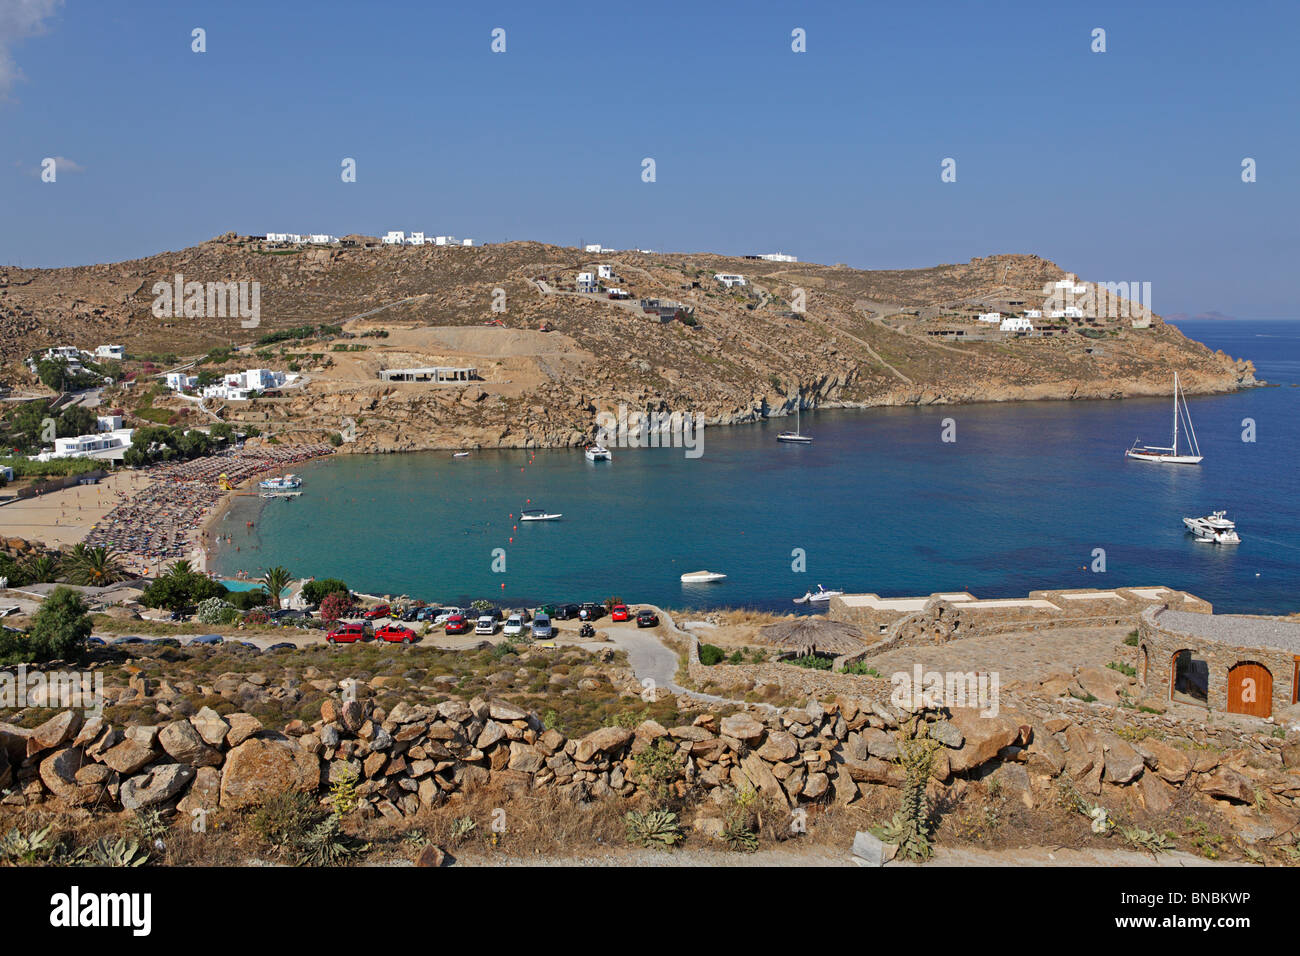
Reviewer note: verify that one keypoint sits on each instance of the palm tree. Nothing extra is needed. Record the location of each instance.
(180, 568)
(40, 570)
(274, 581)
(95, 567)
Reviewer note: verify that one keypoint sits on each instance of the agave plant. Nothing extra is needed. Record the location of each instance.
(95, 567)
(327, 845)
(19, 848)
(109, 851)
(274, 581)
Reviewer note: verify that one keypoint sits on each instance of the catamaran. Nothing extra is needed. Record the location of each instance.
(287, 483)
(598, 453)
(822, 593)
(1170, 455)
(795, 437)
(1214, 528)
(537, 514)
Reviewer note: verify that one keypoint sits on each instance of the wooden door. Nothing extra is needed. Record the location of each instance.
(1250, 690)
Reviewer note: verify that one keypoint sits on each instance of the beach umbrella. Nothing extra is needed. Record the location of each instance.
(808, 633)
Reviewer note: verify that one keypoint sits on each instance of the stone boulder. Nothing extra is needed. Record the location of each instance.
(184, 745)
(55, 732)
(156, 785)
(260, 768)
(1227, 784)
(742, 727)
(983, 736)
(603, 741)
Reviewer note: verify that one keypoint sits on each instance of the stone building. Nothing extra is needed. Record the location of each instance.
(1226, 662)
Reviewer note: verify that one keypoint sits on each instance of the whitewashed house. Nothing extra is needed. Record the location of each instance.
(103, 445)
(116, 352)
(991, 317)
(415, 239)
(322, 239)
(394, 239)
(180, 382)
(1015, 323)
(467, 242)
(605, 272)
(444, 240)
(778, 257)
(595, 247)
(1033, 313)
(69, 353)
(586, 282)
(284, 238)
(109, 423)
(730, 279)
(1072, 312)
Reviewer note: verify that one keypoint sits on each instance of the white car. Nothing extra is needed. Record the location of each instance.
(486, 624)
(514, 626)
(445, 612)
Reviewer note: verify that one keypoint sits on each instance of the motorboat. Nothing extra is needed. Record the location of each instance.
(1169, 455)
(821, 595)
(598, 453)
(286, 483)
(537, 514)
(461, 454)
(701, 577)
(796, 437)
(1214, 528)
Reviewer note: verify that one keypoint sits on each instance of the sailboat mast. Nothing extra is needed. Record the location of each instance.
(1175, 413)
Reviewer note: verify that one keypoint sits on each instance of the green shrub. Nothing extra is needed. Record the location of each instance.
(710, 654)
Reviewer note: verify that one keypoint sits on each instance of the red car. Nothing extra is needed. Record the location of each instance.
(456, 624)
(395, 634)
(347, 634)
(619, 612)
(382, 610)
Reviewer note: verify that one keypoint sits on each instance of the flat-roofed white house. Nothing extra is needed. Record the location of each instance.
(284, 237)
(415, 239)
(109, 423)
(595, 247)
(103, 445)
(394, 238)
(729, 279)
(1070, 285)
(1033, 313)
(990, 317)
(778, 257)
(69, 353)
(1072, 312)
(605, 272)
(117, 352)
(179, 381)
(322, 239)
(7, 473)
(467, 242)
(240, 386)
(586, 282)
(444, 240)
(1015, 323)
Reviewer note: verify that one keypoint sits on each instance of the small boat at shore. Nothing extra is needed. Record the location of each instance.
(285, 483)
(597, 453)
(701, 577)
(1213, 529)
(819, 596)
(1169, 455)
(537, 514)
(796, 437)
(461, 454)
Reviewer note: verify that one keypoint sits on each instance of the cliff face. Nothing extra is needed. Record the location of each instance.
(549, 358)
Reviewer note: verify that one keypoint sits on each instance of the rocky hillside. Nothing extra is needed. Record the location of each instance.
(743, 354)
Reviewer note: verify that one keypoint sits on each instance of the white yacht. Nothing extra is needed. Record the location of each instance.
(537, 514)
(1170, 456)
(819, 596)
(598, 453)
(701, 577)
(1214, 528)
(287, 483)
(796, 437)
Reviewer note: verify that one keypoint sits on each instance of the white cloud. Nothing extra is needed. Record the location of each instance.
(20, 19)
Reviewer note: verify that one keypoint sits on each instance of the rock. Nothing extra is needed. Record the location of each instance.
(1173, 765)
(1227, 784)
(761, 776)
(602, 741)
(1103, 683)
(58, 772)
(210, 726)
(650, 730)
(1122, 764)
(56, 731)
(1045, 755)
(431, 855)
(983, 738)
(816, 785)
(145, 736)
(946, 734)
(1157, 796)
(242, 726)
(259, 768)
(525, 758)
(1081, 746)
(128, 757)
(204, 794)
(184, 745)
(871, 850)
(492, 732)
(352, 715)
(780, 746)
(743, 727)
(879, 743)
(504, 710)
(156, 785)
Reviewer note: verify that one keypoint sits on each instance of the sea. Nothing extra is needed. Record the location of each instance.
(1021, 496)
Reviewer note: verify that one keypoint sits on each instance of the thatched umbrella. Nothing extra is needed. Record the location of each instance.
(808, 634)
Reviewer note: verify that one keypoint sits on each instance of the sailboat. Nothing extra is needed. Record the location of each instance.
(796, 437)
(1170, 455)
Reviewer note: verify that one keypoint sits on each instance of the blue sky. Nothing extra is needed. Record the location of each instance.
(1122, 166)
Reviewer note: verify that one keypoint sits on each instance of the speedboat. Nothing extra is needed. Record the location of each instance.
(598, 453)
(817, 597)
(537, 514)
(701, 577)
(287, 483)
(461, 454)
(1213, 528)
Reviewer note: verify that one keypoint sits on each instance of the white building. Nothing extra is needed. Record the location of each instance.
(103, 445)
(240, 386)
(179, 381)
(285, 237)
(467, 242)
(117, 352)
(1033, 313)
(1013, 323)
(7, 473)
(990, 317)
(415, 239)
(1070, 286)
(322, 239)
(109, 423)
(1072, 312)
(605, 272)
(444, 240)
(778, 257)
(595, 247)
(729, 279)
(394, 238)
(69, 353)
(586, 282)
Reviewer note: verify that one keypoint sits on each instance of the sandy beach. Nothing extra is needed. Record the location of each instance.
(64, 518)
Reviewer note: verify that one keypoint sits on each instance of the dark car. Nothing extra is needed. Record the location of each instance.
(283, 646)
(565, 612)
(207, 639)
(457, 624)
(129, 639)
(647, 618)
(411, 614)
(591, 612)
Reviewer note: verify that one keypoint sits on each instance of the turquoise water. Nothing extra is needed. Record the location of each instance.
(878, 503)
